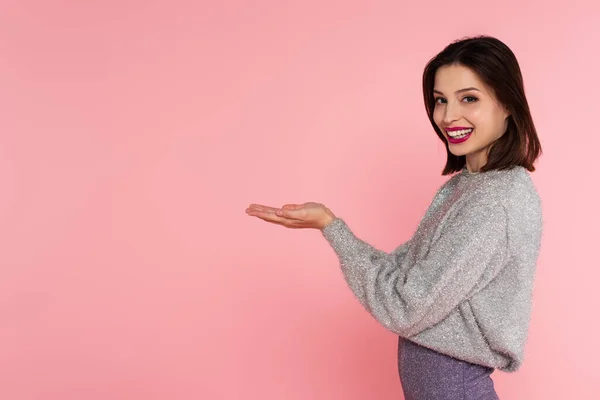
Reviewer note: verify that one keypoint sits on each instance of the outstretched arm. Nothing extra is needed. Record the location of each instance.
(410, 291)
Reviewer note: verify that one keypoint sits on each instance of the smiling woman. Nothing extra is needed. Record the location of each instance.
(458, 114)
(459, 292)
(475, 100)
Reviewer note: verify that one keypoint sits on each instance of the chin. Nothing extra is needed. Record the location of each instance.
(458, 150)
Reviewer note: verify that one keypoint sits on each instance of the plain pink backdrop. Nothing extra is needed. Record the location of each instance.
(133, 134)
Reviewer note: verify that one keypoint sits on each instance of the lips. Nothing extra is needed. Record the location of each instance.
(458, 134)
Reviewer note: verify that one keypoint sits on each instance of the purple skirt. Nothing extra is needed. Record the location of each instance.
(426, 374)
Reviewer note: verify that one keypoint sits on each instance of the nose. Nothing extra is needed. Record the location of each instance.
(452, 113)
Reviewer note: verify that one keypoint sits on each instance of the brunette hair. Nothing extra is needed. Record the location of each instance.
(497, 66)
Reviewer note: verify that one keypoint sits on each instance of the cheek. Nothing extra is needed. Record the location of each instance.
(491, 122)
(475, 116)
(438, 116)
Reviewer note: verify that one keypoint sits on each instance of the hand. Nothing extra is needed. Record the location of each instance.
(307, 215)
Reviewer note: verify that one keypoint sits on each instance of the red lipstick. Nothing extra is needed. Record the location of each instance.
(461, 139)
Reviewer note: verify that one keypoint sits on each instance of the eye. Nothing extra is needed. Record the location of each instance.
(470, 99)
(439, 100)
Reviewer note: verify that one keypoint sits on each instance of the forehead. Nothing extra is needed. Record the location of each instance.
(450, 78)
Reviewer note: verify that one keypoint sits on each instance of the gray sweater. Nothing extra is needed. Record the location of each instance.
(462, 285)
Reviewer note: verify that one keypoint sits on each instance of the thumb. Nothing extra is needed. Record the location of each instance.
(292, 206)
(290, 211)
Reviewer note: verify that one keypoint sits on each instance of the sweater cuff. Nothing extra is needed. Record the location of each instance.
(338, 234)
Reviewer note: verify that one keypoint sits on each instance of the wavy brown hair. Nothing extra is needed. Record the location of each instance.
(497, 66)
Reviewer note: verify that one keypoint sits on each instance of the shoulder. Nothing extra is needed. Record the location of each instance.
(448, 186)
(511, 189)
(510, 186)
(516, 191)
(519, 189)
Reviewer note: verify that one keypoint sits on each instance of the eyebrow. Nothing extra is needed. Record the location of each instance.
(458, 91)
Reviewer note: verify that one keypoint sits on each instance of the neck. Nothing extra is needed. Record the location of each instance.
(472, 168)
(476, 161)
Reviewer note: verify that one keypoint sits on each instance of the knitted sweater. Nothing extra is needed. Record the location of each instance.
(462, 285)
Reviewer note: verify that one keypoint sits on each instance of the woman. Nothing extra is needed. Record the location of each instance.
(458, 293)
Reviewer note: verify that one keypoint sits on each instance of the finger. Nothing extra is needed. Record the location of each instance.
(297, 215)
(259, 207)
(267, 215)
(273, 218)
(292, 206)
(288, 211)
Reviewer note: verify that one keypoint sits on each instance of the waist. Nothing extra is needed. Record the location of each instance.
(423, 370)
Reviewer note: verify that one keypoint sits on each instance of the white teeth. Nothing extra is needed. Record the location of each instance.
(461, 133)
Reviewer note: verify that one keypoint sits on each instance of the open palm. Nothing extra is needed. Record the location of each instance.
(306, 215)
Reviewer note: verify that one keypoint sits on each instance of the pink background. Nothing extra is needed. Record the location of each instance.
(133, 134)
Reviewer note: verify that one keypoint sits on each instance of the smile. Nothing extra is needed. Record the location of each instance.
(459, 135)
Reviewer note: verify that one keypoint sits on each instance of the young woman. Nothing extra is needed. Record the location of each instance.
(459, 292)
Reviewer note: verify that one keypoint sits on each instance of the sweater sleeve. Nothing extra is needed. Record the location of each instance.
(410, 291)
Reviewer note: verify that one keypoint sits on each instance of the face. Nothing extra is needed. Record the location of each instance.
(467, 113)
